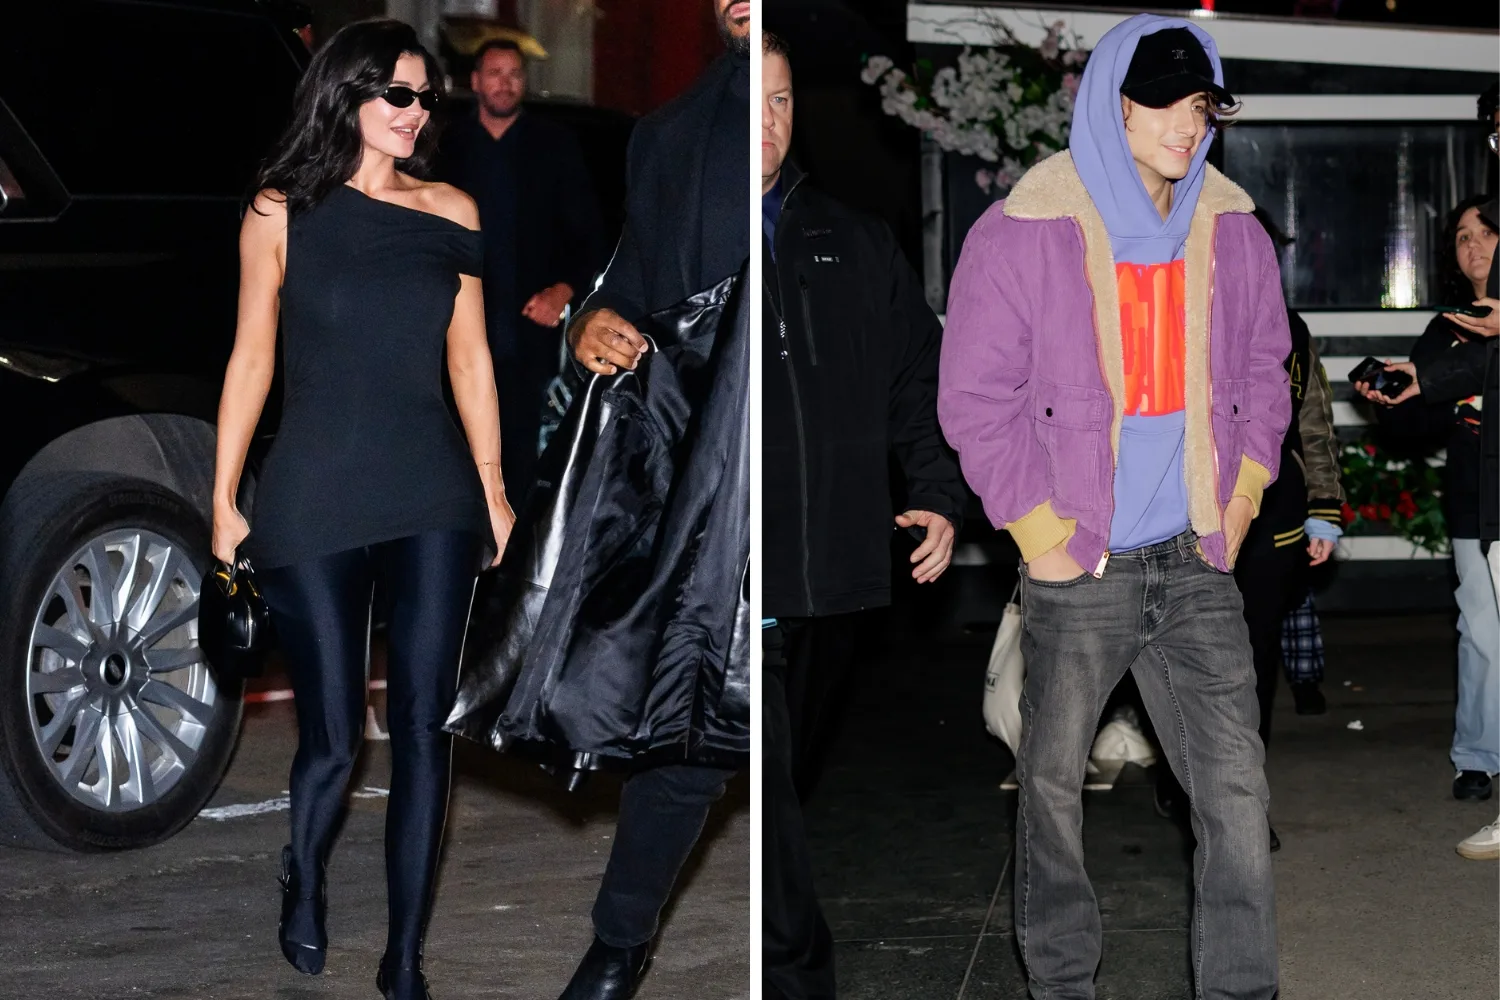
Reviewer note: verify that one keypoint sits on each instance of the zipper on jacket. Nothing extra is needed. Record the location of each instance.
(812, 340)
(1099, 350)
(791, 373)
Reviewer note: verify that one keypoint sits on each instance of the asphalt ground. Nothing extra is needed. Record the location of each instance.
(195, 917)
(912, 835)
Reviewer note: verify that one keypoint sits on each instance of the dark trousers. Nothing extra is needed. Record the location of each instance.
(804, 660)
(1273, 583)
(321, 611)
(662, 812)
(521, 384)
(1178, 625)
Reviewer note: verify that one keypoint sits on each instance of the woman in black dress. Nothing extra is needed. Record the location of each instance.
(370, 273)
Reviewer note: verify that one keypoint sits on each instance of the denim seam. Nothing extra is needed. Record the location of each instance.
(1187, 775)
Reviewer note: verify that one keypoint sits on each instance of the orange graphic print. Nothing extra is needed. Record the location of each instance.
(1151, 321)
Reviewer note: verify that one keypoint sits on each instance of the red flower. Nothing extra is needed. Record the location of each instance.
(1348, 514)
(1407, 507)
(1385, 512)
(1370, 450)
(1367, 511)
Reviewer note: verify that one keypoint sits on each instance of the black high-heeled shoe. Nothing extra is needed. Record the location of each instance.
(302, 905)
(609, 973)
(402, 983)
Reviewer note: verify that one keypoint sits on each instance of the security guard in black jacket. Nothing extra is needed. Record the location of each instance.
(850, 353)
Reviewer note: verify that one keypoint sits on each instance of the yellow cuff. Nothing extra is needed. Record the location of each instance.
(1040, 530)
(1252, 482)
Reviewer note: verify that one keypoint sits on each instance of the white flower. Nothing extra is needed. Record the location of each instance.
(875, 68)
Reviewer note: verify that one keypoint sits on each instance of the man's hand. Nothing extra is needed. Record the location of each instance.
(604, 343)
(1488, 326)
(545, 308)
(936, 551)
(1054, 566)
(1237, 518)
(1415, 389)
(1320, 549)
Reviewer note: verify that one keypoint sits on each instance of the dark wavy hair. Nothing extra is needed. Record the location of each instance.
(321, 146)
(1455, 286)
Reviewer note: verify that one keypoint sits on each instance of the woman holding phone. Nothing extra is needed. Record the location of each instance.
(1441, 419)
(370, 273)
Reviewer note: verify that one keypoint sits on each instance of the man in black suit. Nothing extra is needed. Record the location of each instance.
(687, 227)
(543, 241)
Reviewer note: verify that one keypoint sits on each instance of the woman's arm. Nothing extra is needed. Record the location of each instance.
(252, 363)
(472, 375)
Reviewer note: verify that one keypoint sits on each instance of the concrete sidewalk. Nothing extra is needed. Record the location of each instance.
(913, 837)
(196, 917)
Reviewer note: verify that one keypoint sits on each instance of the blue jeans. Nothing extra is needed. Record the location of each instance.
(1178, 625)
(1476, 723)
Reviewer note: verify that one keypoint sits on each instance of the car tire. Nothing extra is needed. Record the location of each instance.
(97, 573)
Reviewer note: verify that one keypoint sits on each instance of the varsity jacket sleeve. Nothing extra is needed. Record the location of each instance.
(1320, 445)
(1270, 392)
(933, 481)
(984, 401)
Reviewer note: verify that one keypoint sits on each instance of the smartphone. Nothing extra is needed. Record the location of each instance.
(1477, 312)
(1388, 384)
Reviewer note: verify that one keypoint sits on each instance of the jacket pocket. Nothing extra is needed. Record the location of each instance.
(1068, 421)
(1231, 417)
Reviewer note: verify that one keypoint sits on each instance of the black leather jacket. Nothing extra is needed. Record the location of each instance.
(617, 627)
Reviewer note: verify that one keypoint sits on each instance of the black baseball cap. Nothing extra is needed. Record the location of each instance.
(1169, 65)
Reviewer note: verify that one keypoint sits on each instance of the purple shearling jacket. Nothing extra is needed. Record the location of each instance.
(1031, 380)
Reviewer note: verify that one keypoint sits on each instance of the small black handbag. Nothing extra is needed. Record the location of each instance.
(234, 625)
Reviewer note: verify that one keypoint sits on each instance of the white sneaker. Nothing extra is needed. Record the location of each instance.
(1121, 739)
(1484, 845)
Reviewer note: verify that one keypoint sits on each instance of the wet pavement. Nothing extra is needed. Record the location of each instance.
(196, 917)
(912, 835)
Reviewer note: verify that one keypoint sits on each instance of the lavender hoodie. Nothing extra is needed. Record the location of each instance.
(1032, 372)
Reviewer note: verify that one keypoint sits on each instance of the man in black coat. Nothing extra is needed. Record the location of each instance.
(543, 235)
(687, 224)
(850, 362)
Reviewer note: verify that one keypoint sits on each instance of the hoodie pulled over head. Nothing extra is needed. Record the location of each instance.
(1150, 491)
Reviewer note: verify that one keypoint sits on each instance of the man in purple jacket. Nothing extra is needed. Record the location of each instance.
(1112, 378)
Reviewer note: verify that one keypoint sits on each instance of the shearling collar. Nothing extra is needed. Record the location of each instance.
(1053, 190)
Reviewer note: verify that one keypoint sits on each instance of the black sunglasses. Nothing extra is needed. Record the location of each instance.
(401, 97)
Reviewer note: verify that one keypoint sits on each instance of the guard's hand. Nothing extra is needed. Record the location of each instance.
(1487, 326)
(545, 308)
(1054, 566)
(1237, 518)
(1320, 549)
(935, 553)
(230, 529)
(604, 342)
(1415, 389)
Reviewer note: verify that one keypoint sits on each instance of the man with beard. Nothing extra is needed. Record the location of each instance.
(850, 363)
(543, 240)
(687, 228)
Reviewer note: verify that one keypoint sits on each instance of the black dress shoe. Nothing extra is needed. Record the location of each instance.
(402, 983)
(1471, 785)
(609, 973)
(304, 913)
(1275, 841)
(1309, 699)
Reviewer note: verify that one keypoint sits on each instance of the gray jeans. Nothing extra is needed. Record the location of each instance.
(1179, 625)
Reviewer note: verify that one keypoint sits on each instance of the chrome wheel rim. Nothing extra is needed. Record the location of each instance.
(119, 694)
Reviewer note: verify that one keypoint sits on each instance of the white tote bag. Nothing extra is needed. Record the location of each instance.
(1004, 677)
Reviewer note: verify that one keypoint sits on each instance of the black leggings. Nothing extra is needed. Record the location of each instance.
(321, 610)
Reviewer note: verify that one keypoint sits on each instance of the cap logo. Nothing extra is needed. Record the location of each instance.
(1180, 55)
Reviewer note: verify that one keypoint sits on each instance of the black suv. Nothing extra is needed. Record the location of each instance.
(130, 131)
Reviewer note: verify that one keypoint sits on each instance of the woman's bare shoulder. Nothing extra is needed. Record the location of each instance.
(450, 203)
